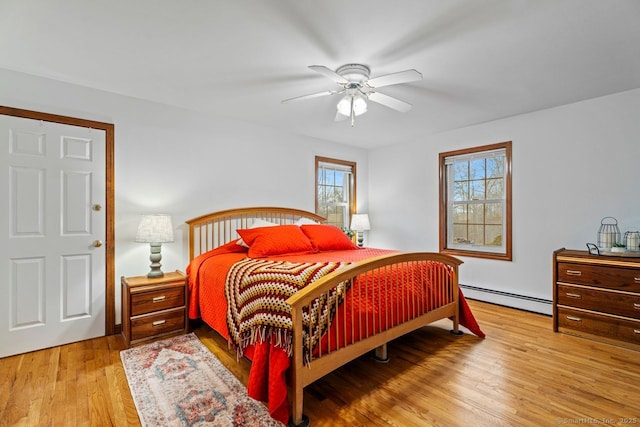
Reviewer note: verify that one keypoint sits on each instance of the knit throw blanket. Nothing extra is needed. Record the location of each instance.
(257, 291)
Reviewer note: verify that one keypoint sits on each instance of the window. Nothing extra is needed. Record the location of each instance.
(335, 190)
(475, 202)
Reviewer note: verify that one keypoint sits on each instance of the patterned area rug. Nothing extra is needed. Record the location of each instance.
(179, 382)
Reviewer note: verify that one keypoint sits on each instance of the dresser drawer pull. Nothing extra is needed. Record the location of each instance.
(636, 331)
(572, 295)
(636, 305)
(574, 319)
(159, 322)
(160, 298)
(636, 279)
(574, 272)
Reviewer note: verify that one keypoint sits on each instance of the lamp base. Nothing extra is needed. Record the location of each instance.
(155, 258)
(360, 238)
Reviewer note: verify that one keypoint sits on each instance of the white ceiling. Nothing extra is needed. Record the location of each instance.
(481, 60)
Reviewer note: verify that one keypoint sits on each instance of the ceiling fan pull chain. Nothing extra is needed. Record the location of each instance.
(353, 112)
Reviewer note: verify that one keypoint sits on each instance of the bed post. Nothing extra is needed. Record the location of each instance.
(456, 297)
(297, 418)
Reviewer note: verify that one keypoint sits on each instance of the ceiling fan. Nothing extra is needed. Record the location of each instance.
(357, 87)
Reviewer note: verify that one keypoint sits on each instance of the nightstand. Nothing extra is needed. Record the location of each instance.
(153, 308)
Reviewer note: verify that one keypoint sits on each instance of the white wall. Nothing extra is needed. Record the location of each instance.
(182, 163)
(572, 166)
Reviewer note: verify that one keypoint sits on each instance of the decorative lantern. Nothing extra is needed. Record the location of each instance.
(609, 233)
(632, 240)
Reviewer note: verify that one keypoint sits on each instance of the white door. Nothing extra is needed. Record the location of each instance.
(52, 231)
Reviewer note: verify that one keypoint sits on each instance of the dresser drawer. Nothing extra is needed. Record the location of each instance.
(582, 322)
(621, 304)
(622, 279)
(157, 324)
(157, 299)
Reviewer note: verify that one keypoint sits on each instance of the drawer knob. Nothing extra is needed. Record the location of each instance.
(574, 319)
(159, 322)
(574, 272)
(574, 295)
(160, 298)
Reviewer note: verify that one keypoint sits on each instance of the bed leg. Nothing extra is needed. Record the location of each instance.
(303, 423)
(456, 327)
(298, 419)
(380, 355)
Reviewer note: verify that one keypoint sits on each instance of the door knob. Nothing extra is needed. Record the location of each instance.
(96, 207)
(97, 243)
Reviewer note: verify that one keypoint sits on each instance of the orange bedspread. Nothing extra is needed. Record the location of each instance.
(267, 379)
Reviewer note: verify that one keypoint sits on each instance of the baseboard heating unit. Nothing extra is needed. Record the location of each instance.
(523, 302)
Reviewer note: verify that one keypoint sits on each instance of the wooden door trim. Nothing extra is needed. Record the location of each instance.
(110, 299)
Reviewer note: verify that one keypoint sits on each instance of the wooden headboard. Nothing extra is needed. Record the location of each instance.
(209, 231)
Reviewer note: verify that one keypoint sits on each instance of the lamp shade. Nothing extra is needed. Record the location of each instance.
(360, 222)
(155, 228)
(359, 105)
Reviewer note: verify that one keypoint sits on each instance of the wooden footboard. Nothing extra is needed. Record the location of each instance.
(380, 298)
(400, 293)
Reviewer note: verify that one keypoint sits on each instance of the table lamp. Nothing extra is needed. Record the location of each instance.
(155, 229)
(360, 223)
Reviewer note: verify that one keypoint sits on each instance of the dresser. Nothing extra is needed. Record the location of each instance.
(597, 296)
(153, 308)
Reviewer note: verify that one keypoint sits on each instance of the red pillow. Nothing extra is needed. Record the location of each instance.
(325, 237)
(282, 239)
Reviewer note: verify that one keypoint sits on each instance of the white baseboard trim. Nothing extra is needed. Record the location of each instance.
(536, 305)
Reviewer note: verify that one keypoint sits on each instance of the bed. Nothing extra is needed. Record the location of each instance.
(299, 299)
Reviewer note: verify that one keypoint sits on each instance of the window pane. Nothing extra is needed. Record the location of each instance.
(476, 190)
(494, 235)
(495, 167)
(459, 213)
(476, 234)
(461, 171)
(460, 234)
(476, 214)
(495, 188)
(329, 178)
(493, 213)
(476, 169)
(460, 191)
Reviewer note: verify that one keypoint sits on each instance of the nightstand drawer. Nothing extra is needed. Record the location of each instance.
(621, 304)
(596, 324)
(157, 324)
(160, 299)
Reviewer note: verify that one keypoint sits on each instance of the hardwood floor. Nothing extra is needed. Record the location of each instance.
(522, 374)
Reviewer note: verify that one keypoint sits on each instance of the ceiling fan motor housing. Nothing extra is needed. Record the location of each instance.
(355, 73)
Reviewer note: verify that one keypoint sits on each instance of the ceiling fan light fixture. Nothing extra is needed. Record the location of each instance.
(359, 105)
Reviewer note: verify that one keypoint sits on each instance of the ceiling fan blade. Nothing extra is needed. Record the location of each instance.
(395, 78)
(327, 72)
(310, 96)
(389, 101)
